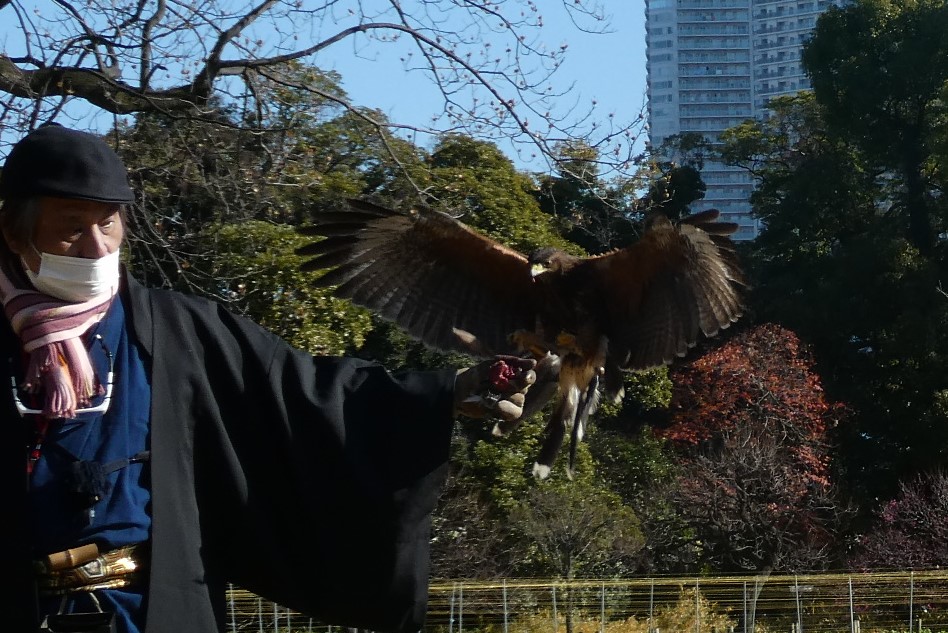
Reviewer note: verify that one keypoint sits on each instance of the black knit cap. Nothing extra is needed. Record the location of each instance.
(56, 161)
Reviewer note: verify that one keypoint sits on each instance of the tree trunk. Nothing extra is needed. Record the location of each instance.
(570, 600)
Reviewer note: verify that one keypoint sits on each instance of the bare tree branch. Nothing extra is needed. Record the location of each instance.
(488, 59)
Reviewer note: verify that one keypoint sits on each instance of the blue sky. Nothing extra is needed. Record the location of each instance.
(608, 67)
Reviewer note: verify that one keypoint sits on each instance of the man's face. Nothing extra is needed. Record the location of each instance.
(76, 228)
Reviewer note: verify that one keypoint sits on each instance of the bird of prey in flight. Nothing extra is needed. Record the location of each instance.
(589, 318)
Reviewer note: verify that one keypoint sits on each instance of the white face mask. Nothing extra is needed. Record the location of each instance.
(75, 279)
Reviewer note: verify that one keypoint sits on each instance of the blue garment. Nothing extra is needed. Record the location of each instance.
(245, 433)
(122, 516)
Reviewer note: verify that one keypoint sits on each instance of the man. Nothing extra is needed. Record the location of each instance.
(158, 447)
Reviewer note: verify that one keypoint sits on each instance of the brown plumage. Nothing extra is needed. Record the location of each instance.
(455, 289)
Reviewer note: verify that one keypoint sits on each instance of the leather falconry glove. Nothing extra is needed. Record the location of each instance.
(494, 388)
(545, 386)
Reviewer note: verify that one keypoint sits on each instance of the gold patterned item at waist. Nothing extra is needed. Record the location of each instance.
(110, 570)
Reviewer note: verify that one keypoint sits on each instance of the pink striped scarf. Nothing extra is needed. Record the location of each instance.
(50, 330)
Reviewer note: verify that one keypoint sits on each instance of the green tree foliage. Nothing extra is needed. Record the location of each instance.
(195, 176)
(878, 68)
(467, 541)
(591, 213)
(643, 469)
(190, 177)
(839, 263)
(308, 153)
(256, 267)
(814, 190)
(218, 204)
(318, 151)
(674, 184)
(575, 528)
(674, 191)
(492, 479)
(474, 181)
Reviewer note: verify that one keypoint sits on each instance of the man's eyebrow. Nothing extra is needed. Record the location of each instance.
(69, 221)
(77, 213)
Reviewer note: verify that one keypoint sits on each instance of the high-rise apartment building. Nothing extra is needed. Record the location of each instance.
(711, 65)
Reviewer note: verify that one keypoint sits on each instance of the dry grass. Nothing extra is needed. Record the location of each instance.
(677, 618)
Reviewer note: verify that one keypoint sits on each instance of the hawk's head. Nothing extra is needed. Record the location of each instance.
(549, 259)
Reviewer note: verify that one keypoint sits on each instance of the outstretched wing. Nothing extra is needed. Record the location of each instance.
(425, 271)
(671, 286)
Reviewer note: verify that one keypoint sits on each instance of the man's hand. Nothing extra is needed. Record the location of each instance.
(545, 386)
(494, 388)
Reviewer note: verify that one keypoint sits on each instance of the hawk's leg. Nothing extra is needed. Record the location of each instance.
(567, 343)
(587, 406)
(527, 341)
(564, 413)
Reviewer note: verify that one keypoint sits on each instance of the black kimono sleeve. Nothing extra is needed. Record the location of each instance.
(313, 478)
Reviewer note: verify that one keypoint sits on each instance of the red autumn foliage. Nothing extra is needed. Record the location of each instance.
(750, 421)
(763, 377)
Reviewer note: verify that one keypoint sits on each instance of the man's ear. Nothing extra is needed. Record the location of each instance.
(15, 246)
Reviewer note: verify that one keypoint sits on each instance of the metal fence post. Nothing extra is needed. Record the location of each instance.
(756, 594)
(745, 606)
(555, 623)
(602, 610)
(230, 601)
(697, 609)
(852, 613)
(879, 607)
(454, 588)
(505, 604)
(796, 584)
(651, 604)
(911, 597)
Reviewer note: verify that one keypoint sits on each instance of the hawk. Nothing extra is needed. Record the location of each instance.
(587, 318)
